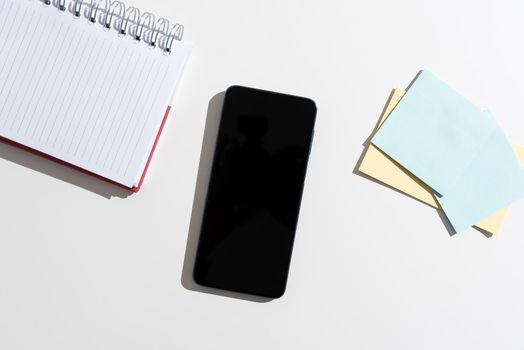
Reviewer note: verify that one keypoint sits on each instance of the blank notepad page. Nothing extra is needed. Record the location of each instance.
(72, 90)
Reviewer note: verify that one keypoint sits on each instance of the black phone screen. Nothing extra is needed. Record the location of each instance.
(255, 191)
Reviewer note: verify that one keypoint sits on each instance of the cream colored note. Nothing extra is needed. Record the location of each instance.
(379, 166)
(520, 151)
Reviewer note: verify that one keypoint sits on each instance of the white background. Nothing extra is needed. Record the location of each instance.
(372, 269)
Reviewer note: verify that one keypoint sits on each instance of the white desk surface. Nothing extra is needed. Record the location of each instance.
(371, 269)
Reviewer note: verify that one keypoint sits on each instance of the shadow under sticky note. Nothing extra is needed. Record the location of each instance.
(380, 167)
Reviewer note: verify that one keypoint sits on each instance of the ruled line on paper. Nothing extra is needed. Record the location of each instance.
(107, 110)
(53, 85)
(131, 72)
(106, 99)
(89, 101)
(140, 116)
(9, 51)
(121, 110)
(36, 81)
(31, 72)
(145, 123)
(63, 93)
(132, 111)
(7, 16)
(3, 8)
(16, 88)
(19, 51)
(118, 91)
(40, 87)
(59, 85)
(69, 101)
(103, 95)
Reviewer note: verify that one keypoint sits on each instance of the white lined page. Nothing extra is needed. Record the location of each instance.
(81, 94)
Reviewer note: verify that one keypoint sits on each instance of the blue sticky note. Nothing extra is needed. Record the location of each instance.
(492, 181)
(434, 132)
(455, 148)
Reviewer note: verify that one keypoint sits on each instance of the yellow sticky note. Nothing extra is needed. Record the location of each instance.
(520, 151)
(379, 166)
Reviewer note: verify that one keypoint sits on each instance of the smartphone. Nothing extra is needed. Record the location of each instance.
(255, 191)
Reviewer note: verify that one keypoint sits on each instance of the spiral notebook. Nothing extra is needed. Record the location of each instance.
(88, 84)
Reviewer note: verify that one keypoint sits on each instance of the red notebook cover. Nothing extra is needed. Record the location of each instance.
(59, 161)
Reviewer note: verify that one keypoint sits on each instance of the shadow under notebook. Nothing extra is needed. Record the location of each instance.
(61, 172)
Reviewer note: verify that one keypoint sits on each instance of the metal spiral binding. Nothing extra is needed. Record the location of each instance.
(114, 14)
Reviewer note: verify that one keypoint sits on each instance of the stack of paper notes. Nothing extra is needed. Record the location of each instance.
(434, 145)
